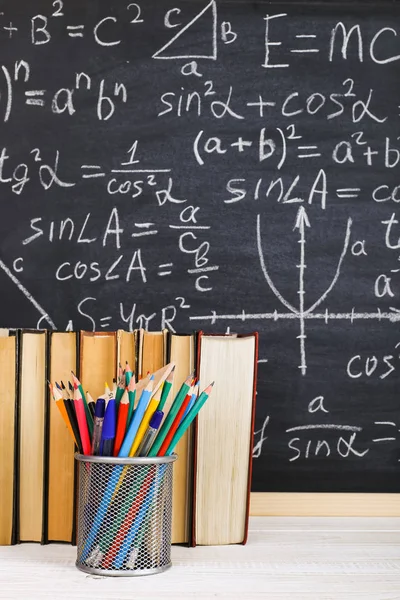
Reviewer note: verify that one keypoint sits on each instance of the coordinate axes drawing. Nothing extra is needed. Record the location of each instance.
(301, 313)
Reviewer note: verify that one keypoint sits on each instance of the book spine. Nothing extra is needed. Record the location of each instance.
(253, 416)
(15, 519)
(46, 454)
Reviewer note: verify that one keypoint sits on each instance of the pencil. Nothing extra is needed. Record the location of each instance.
(65, 391)
(137, 418)
(175, 424)
(128, 374)
(189, 418)
(82, 423)
(59, 400)
(166, 389)
(70, 408)
(121, 423)
(89, 418)
(132, 396)
(150, 410)
(91, 404)
(180, 397)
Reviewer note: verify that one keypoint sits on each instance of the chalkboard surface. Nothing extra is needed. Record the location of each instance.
(226, 166)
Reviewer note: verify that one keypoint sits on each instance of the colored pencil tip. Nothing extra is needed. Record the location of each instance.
(62, 385)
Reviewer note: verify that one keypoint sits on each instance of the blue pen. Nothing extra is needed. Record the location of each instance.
(136, 419)
(98, 425)
(109, 428)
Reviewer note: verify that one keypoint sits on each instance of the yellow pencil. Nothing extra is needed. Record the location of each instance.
(150, 410)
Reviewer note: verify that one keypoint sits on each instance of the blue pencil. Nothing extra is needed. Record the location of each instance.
(136, 419)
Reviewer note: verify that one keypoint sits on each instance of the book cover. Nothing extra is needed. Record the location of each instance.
(223, 439)
(182, 352)
(8, 436)
(62, 359)
(97, 360)
(33, 400)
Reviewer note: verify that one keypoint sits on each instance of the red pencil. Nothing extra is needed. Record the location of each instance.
(82, 423)
(175, 424)
(121, 423)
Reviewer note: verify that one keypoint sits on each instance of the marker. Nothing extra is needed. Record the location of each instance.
(98, 425)
(109, 428)
(151, 433)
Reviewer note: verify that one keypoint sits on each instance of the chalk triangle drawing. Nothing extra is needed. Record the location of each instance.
(212, 55)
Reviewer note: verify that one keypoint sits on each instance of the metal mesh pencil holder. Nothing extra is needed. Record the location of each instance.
(124, 515)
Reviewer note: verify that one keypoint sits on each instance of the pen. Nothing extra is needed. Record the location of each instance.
(109, 427)
(151, 433)
(98, 425)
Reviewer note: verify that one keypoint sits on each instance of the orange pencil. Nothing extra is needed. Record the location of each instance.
(175, 424)
(121, 423)
(59, 400)
(82, 423)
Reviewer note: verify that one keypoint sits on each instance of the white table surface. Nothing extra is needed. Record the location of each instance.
(285, 559)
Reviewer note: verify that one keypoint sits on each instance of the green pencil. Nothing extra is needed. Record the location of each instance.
(128, 374)
(166, 389)
(189, 418)
(171, 416)
(132, 396)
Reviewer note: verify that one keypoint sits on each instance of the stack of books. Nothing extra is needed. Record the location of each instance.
(212, 475)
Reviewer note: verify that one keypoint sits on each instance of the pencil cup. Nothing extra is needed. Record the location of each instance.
(124, 515)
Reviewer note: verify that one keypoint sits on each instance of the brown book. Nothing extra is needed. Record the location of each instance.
(126, 349)
(224, 439)
(98, 360)
(32, 439)
(152, 350)
(182, 352)
(8, 437)
(60, 464)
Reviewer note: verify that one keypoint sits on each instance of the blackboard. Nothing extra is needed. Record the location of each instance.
(225, 166)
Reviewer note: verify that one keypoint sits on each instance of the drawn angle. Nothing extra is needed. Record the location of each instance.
(27, 295)
(209, 12)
